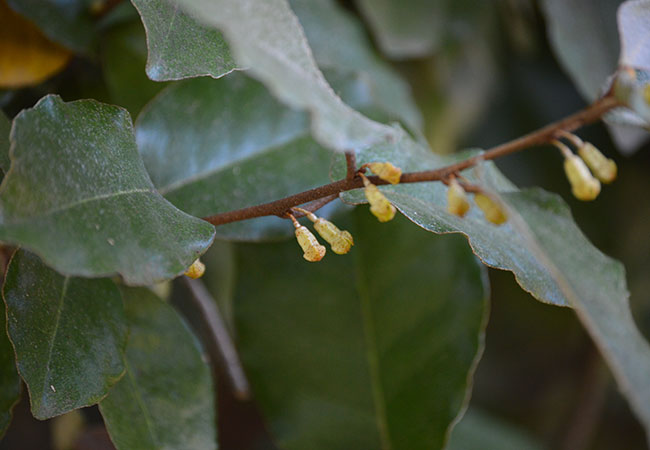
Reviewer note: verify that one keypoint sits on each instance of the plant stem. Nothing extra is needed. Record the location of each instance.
(541, 136)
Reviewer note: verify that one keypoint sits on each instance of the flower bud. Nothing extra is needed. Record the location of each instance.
(379, 204)
(457, 202)
(601, 166)
(583, 184)
(313, 251)
(196, 270)
(341, 241)
(491, 209)
(386, 171)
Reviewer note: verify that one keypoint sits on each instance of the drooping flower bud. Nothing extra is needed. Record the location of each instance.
(457, 202)
(379, 204)
(196, 270)
(583, 184)
(386, 171)
(491, 209)
(312, 249)
(340, 241)
(601, 166)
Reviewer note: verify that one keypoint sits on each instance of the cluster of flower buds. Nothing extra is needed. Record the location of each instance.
(586, 171)
(196, 270)
(458, 203)
(340, 241)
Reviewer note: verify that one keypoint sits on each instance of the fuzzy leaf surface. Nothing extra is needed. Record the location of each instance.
(546, 251)
(69, 335)
(165, 400)
(266, 37)
(179, 46)
(79, 196)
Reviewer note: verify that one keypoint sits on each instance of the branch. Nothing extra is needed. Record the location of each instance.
(219, 331)
(279, 207)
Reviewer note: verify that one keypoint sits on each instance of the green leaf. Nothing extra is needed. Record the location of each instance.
(69, 335)
(180, 47)
(584, 37)
(546, 251)
(340, 43)
(79, 196)
(165, 400)
(480, 431)
(418, 28)
(267, 38)
(633, 25)
(9, 379)
(379, 345)
(217, 145)
(124, 52)
(5, 128)
(69, 22)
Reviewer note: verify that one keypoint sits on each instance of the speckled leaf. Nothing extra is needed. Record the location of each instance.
(634, 26)
(217, 145)
(266, 37)
(79, 196)
(165, 400)
(5, 128)
(379, 345)
(9, 379)
(69, 335)
(553, 261)
(67, 22)
(340, 43)
(179, 46)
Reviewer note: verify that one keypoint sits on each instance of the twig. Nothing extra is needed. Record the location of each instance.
(219, 332)
(279, 207)
(351, 162)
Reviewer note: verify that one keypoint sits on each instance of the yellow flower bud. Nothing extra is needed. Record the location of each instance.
(583, 184)
(601, 166)
(340, 241)
(196, 270)
(386, 171)
(491, 210)
(457, 202)
(379, 204)
(313, 251)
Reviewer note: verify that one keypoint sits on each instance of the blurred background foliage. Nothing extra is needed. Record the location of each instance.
(481, 75)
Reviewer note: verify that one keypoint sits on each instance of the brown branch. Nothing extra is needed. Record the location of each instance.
(219, 330)
(280, 207)
(351, 162)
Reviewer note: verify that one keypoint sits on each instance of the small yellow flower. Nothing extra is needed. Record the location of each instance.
(379, 204)
(340, 241)
(457, 202)
(583, 184)
(386, 171)
(601, 166)
(491, 209)
(312, 249)
(196, 270)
